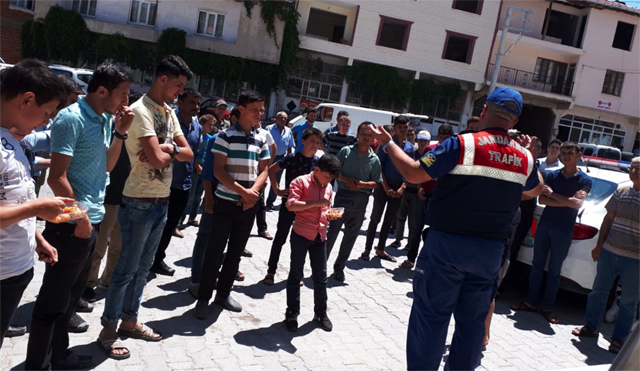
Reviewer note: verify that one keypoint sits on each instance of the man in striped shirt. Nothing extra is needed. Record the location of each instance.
(335, 140)
(240, 155)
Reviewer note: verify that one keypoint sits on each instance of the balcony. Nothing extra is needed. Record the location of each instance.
(530, 80)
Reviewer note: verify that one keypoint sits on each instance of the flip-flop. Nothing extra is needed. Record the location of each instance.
(584, 331)
(110, 345)
(386, 257)
(521, 306)
(549, 316)
(143, 332)
(615, 345)
(365, 256)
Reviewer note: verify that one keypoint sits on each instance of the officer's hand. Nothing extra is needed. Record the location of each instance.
(524, 140)
(381, 135)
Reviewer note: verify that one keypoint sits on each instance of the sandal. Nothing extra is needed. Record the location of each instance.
(584, 331)
(239, 276)
(386, 257)
(522, 306)
(549, 316)
(616, 345)
(143, 332)
(269, 279)
(406, 264)
(112, 344)
(365, 256)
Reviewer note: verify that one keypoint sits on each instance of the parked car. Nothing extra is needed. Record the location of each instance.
(579, 269)
(80, 75)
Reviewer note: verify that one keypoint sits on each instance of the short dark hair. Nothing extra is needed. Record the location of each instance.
(411, 128)
(205, 118)
(249, 96)
(134, 96)
(388, 128)
(174, 67)
(70, 85)
(342, 113)
(401, 120)
(31, 75)
(189, 91)
(311, 109)
(235, 112)
(473, 119)
(311, 131)
(445, 129)
(556, 141)
(365, 123)
(570, 144)
(109, 76)
(329, 163)
(539, 142)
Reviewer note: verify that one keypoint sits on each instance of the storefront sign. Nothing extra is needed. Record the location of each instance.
(604, 105)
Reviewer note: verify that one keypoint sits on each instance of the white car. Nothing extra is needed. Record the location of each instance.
(80, 75)
(579, 269)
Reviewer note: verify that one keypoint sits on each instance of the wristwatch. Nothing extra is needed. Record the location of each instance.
(384, 147)
(176, 149)
(120, 136)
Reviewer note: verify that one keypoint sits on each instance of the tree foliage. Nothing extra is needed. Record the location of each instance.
(66, 34)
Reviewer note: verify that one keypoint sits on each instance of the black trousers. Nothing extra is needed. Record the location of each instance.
(380, 199)
(61, 288)
(11, 290)
(178, 200)
(285, 221)
(318, 260)
(232, 225)
(355, 205)
(526, 218)
(261, 213)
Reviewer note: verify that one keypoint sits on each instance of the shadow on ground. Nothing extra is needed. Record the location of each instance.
(273, 338)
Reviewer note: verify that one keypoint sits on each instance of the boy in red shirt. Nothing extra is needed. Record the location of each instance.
(310, 198)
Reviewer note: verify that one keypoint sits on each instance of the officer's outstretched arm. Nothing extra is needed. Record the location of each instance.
(408, 167)
(537, 191)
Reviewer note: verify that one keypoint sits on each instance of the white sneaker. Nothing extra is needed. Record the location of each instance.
(612, 313)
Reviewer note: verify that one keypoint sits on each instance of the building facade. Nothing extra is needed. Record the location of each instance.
(13, 13)
(578, 69)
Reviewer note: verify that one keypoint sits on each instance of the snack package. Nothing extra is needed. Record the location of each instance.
(335, 212)
(71, 211)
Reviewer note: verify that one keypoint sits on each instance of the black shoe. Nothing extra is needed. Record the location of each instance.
(324, 322)
(74, 361)
(247, 253)
(228, 303)
(269, 208)
(89, 295)
(162, 268)
(77, 324)
(202, 309)
(84, 306)
(14, 331)
(392, 231)
(291, 322)
(396, 244)
(338, 275)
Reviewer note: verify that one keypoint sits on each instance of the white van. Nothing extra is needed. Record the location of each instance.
(328, 112)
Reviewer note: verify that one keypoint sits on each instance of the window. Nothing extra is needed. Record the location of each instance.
(568, 29)
(327, 25)
(613, 83)
(143, 12)
(623, 36)
(210, 24)
(85, 7)
(458, 47)
(393, 33)
(549, 71)
(24, 4)
(471, 6)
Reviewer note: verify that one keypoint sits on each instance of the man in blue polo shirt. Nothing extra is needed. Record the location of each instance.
(388, 193)
(481, 177)
(283, 138)
(565, 191)
(312, 114)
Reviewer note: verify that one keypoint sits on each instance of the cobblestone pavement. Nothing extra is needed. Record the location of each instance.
(370, 312)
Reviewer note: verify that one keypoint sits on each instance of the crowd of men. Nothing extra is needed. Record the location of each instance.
(141, 167)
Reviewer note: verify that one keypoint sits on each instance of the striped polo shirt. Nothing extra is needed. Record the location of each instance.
(243, 153)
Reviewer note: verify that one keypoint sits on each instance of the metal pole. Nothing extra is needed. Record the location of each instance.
(503, 37)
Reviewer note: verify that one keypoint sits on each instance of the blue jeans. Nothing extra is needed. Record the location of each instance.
(272, 194)
(453, 275)
(141, 225)
(609, 266)
(200, 247)
(194, 198)
(554, 243)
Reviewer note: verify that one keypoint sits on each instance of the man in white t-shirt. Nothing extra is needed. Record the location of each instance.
(30, 93)
(552, 162)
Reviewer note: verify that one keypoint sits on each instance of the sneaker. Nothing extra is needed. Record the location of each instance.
(324, 321)
(77, 324)
(291, 322)
(84, 306)
(89, 294)
(74, 361)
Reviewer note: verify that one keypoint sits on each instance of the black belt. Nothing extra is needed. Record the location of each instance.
(157, 200)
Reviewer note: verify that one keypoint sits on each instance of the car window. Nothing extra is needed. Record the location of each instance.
(601, 190)
(587, 151)
(62, 72)
(85, 77)
(609, 154)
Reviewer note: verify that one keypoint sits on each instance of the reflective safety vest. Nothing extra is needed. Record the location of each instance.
(479, 197)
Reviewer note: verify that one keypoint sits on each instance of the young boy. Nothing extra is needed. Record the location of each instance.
(309, 198)
(300, 163)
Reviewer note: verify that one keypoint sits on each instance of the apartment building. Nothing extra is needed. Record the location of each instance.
(578, 70)
(13, 13)
(447, 40)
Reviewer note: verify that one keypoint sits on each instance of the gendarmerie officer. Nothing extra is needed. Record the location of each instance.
(481, 177)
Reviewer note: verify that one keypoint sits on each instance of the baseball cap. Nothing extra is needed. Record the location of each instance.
(423, 134)
(220, 102)
(508, 99)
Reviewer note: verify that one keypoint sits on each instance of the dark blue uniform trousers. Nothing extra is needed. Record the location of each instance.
(454, 275)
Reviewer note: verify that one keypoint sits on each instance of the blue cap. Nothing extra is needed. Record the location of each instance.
(508, 99)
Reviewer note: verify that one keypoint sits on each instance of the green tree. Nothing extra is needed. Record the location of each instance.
(66, 34)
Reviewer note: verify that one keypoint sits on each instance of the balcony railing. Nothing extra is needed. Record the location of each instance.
(530, 80)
